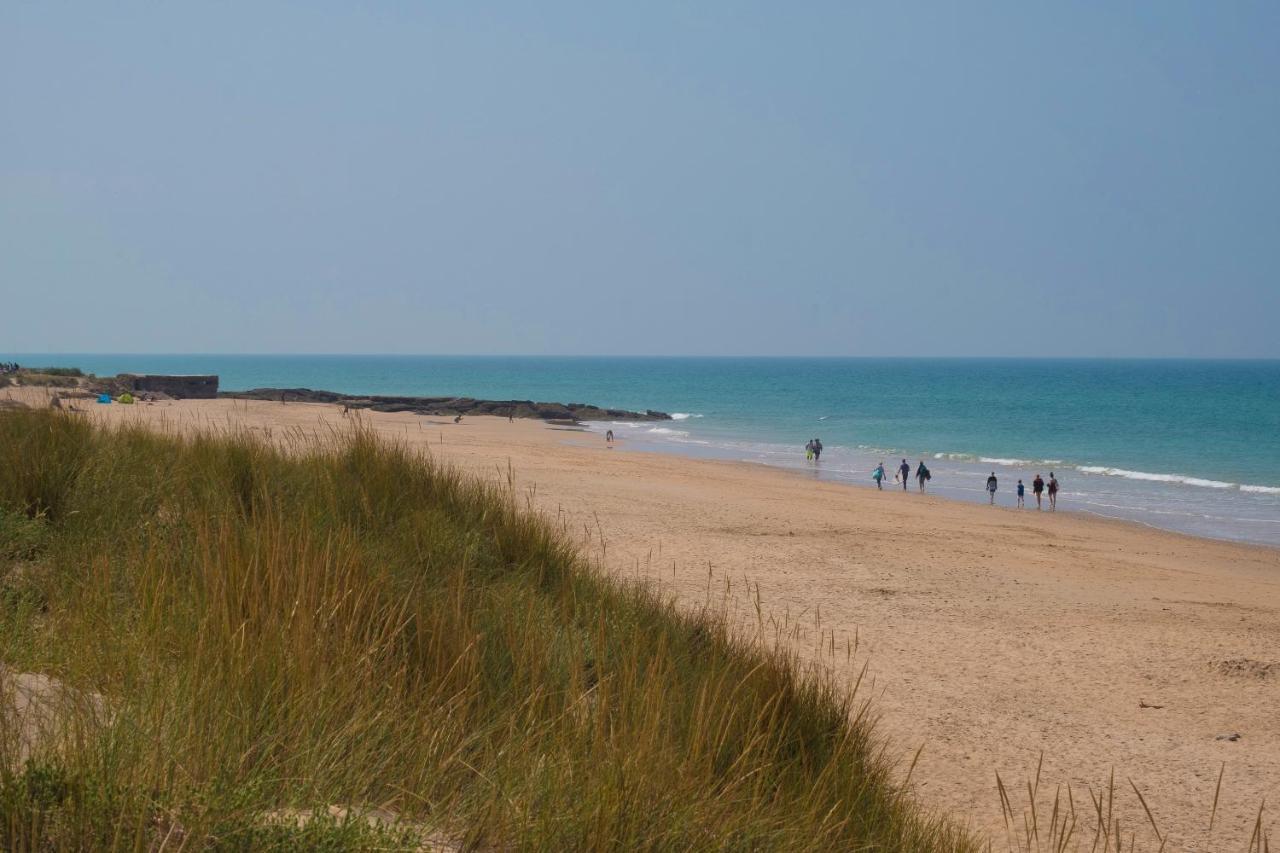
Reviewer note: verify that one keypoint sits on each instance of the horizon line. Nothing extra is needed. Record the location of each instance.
(736, 356)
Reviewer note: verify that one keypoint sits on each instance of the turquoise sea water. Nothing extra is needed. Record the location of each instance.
(1192, 446)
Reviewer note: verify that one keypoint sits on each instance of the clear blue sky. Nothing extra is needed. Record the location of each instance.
(1094, 179)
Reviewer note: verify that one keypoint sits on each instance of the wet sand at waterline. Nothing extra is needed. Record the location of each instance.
(991, 635)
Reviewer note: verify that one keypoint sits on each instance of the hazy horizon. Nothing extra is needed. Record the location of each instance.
(10, 356)
(722, 180)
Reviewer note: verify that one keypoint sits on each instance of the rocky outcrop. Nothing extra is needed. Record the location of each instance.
(451, 406)
(37, 709)
(177, 387)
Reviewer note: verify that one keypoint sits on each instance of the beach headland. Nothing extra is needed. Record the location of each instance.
(993, 638)
(452, 406)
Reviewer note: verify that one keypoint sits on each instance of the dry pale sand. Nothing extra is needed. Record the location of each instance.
(993, 635)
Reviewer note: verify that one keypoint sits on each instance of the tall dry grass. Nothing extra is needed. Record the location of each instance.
(274, 632)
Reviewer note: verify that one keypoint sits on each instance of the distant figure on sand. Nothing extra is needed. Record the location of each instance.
(1053, 491)
(923, 475)
(1037, 486)
(878, 475)
(991, 487)
(1022, 491)
(608, 436)
(904, 473)
(457, 419)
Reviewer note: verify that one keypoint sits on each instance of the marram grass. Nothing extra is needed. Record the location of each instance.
(344, 622)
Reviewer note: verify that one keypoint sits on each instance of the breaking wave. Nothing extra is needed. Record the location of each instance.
(1155, 478)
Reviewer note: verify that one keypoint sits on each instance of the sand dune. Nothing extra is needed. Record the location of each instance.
(993, 635)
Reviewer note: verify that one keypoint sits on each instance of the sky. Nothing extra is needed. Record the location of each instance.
(1080, 179)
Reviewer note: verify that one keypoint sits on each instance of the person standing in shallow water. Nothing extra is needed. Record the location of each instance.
(1053, 492)
(1022, 491)
(904, 473)
(817, 449)
(991, 487)
(1037, 486)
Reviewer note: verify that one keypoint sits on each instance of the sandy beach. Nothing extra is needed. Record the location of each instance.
(992, 636)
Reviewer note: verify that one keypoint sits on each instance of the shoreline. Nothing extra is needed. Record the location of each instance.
(992, 638)
(1086, 492)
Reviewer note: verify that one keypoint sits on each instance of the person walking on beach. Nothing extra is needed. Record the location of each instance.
(878, 475)
(904, 473)
(1053, 492)
(1037, 486)
(1022, 491)
(991, 487)
(608, 436)
(923, 475)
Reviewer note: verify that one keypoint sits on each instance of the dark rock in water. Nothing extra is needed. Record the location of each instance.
(450, 406)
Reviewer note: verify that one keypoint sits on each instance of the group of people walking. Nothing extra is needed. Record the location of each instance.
(903, 475)
(1038, 487)
(8, 367)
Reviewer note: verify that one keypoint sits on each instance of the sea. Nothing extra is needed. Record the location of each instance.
(1189, 446)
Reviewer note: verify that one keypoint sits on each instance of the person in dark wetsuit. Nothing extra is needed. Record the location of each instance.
(1037, 488)
(817, 449)
(922, 475)
(904, 473)
(991, 487)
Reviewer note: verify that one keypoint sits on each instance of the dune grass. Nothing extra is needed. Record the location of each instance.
(276, 631)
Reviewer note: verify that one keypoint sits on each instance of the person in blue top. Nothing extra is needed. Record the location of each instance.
(904, 473)
(878, 475)
(1022, 491)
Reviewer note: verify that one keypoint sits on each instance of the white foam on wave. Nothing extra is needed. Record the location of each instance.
(684, 416)
(1261, 490)
(666, 431)
(1155, 478)
(955, 457)
(996, 460)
